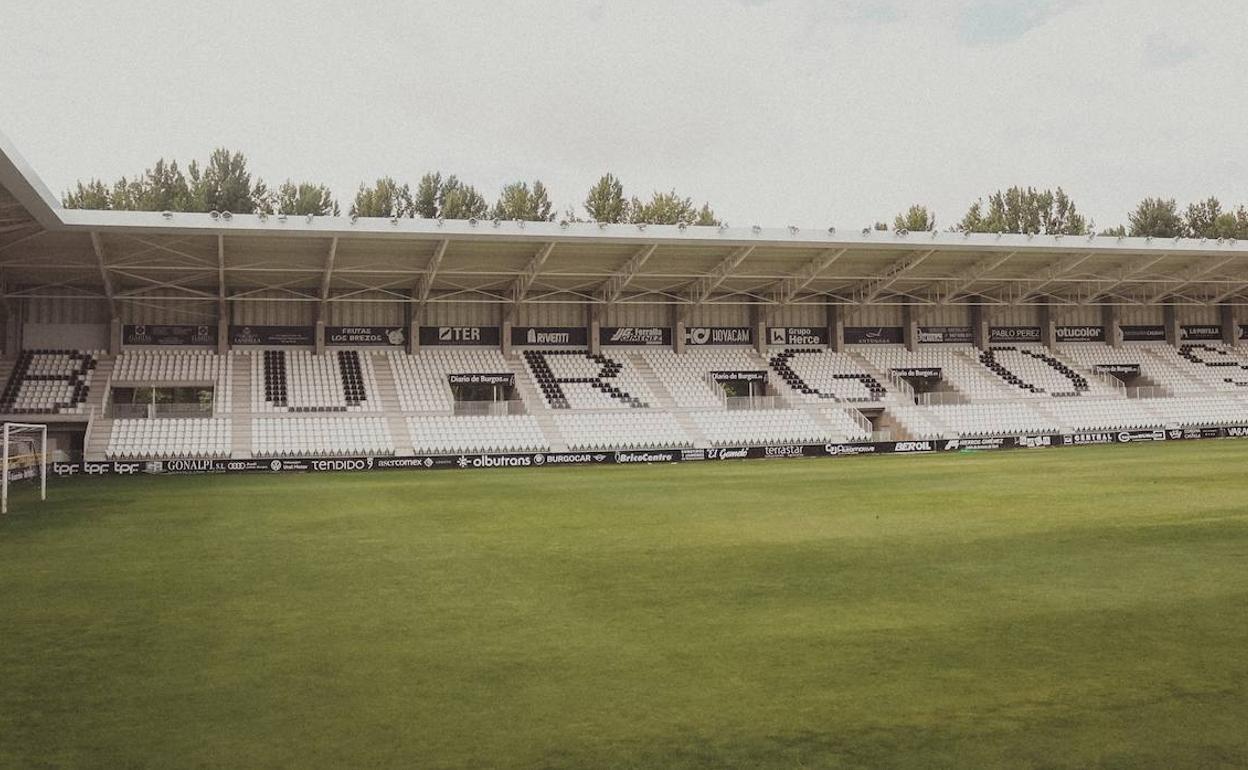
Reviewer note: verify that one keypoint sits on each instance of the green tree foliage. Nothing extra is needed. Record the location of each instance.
(605, 201)
(917, 219)
(428, 193)
(670, 209)
(518, 201)
(222, 184)
(225, 184)
(305, 198)
(1120, 231)
(92, 195)
(1158, 218)
(387, 198)
(1206, 219)
(1019, 210)
(457, 200)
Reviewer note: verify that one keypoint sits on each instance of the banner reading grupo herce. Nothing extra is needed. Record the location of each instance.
(797, 336)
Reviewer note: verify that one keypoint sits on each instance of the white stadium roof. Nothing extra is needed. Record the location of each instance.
(52, 251)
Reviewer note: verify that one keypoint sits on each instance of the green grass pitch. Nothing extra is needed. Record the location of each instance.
(1064, 608)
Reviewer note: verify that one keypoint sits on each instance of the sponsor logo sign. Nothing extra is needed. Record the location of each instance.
(272, 335)
(1128, 370)
(873, 335)
(392, 336)
(1079, 333)
(1200, 332)
(734, 453)
(1036, 442)
(460, 335)
(693, 455)
(1243, 332)
(918, 372)
(797, 335)
(1143, 333)
(719, 335)
(667, 456)
(169, 334)
(784, 451)
(986, 442)
(914, 446)
(635, 335)
(550, 336)
(861, 448)
(479, 378)
(739, 376)
(1238, 431)
(946, 334)
(1014, 334)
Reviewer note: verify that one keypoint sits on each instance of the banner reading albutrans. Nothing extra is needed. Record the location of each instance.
(946, 335)
(1143, 333)
(272, 335)
(169, 334)
(479, 378)
(485, 336)
(1014, 334)
(873, 335)
(1079, 333)
(365, 335)
(635, 335)
(551, 336)
(1202, 333)
(797, 335)
(719, 335)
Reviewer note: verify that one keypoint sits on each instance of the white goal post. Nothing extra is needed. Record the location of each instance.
(25, 456)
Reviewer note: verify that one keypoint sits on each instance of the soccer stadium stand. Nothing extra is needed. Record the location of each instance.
(205, 336)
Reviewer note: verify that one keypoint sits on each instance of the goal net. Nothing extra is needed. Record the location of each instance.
(24, 460)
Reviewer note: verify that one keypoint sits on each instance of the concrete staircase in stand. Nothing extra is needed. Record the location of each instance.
(535, 405)
(387, 396)
(240, 418)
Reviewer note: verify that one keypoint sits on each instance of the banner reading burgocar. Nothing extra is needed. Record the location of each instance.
(169, 334)
(272, 335)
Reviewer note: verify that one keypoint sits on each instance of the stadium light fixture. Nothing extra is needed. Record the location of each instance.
(866, 231)
(167, 214)
(935, 232)
(497, 221)
(214, 214)
(757, 229)
(602, 225)
(681, 226)
(227, 216)
(263, 216)
(354, 218)
(641, 225)
(520, 223)
(472, 221)
(723, 226)
(309, 218)
(832, 231)
(441, 221)
(281, 217)
(901, 233)
(563, 223)
(394, 220)
(793, 230)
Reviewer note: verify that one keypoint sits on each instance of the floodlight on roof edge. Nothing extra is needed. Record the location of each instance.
(214, 214)
(227, 216)
(794, 230)
(167, 214)
(757, 229)
(832, 230)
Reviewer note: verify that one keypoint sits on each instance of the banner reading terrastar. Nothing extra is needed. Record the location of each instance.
(634, 335)
(797, 335)
(873, 335)
(169, 334)
(272, 335)
(485, 336)
(365, 335)
(551, 336)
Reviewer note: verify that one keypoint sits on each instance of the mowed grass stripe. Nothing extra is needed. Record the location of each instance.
(1044, 608)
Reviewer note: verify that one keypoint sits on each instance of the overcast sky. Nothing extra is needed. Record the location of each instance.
(777, 112)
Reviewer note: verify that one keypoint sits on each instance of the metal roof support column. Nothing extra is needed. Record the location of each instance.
(836, 326)
(979, 326)
(1111, 319)
(1230, 329)
(909, 327)
(1048, 329)
(223, 305)
(1172, 323)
